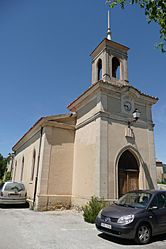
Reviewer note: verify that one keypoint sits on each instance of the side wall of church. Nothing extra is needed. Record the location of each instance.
(23, 163)
(55, 188)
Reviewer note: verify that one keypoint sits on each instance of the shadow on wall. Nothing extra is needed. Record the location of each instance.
(147, 173)
(148, 176)
(144, 165)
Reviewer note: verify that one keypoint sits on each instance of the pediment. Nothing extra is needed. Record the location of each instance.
(137, 94)
(109, 88)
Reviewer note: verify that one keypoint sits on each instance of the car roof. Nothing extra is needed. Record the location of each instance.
(13, 182)
(150, 191)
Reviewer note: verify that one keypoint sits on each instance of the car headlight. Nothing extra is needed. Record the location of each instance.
(126, 219)
(99, 214)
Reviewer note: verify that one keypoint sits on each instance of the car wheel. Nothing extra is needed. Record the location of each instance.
(143, 234)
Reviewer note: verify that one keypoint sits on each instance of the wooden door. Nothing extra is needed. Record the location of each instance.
(132, 181)
(122, 183)
(128, 181)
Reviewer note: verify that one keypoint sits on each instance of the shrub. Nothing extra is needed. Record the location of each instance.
(162, 182)
(92, 208)
(7, 176)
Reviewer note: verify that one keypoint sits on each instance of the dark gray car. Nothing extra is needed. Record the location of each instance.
(137, 215)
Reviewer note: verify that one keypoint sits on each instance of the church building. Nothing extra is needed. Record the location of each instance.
(104, 147)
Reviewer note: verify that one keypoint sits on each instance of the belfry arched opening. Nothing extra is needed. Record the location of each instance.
(128, 173)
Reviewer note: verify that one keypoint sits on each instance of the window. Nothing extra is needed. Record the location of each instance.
(33, 165)
(115, 68)
(22, 170)
(135, 199)
(1, 186)
(14, 186)
(99, 68)
(154, 202)
(161, 201)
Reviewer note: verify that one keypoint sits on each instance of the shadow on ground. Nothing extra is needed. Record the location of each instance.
(130, 242)
(14, 206)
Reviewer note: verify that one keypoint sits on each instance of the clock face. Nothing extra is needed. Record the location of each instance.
(127, 106)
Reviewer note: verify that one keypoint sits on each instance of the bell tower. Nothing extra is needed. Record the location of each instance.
(109, 61)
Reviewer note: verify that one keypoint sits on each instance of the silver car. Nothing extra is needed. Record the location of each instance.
(12, 193)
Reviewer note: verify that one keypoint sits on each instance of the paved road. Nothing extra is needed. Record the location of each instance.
(25, 229)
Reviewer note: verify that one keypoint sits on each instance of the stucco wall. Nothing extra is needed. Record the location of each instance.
(55, 186)
(84, 174)
(101, 137)
(26, 151)
(142, 146)
(61, 162)
(159, 173)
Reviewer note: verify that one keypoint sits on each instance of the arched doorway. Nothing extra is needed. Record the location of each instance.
(128, 173)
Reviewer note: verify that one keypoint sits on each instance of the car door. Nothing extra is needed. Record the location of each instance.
(159, 215)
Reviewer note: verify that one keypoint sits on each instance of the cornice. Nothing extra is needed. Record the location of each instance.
(59, 125)
(110, 44)
(117, 119)
(44, 122)
(102, 86)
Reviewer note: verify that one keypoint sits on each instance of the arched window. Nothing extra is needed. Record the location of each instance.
(99, 69)
(115, 68)
(22, 170)
(33, 165)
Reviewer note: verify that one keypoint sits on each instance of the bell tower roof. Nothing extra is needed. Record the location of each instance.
(106, 43)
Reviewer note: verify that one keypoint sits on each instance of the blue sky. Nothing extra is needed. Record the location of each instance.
(45, 63)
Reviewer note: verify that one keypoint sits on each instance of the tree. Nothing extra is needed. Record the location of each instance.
(3, 166)
(155, 11)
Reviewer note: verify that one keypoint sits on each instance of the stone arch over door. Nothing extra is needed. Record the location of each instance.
(128, 172)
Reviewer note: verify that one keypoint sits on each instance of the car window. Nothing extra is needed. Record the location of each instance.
(14, 186)
(135, 199)
(161, 200)
(154, 202)
(1, 185)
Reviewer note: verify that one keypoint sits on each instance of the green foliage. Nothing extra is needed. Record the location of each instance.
(91, 210)
(155, 11)
(3, 166)
(7, 176)
(162, 182)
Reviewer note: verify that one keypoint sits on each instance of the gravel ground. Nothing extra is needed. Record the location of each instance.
(22, 228)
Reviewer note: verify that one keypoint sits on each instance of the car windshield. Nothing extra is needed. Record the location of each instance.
(14, 186)
(135, 199)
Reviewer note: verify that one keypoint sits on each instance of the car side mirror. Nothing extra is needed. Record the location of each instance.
(153, 208)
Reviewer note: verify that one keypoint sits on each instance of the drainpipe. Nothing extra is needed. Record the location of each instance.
(37, 171)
